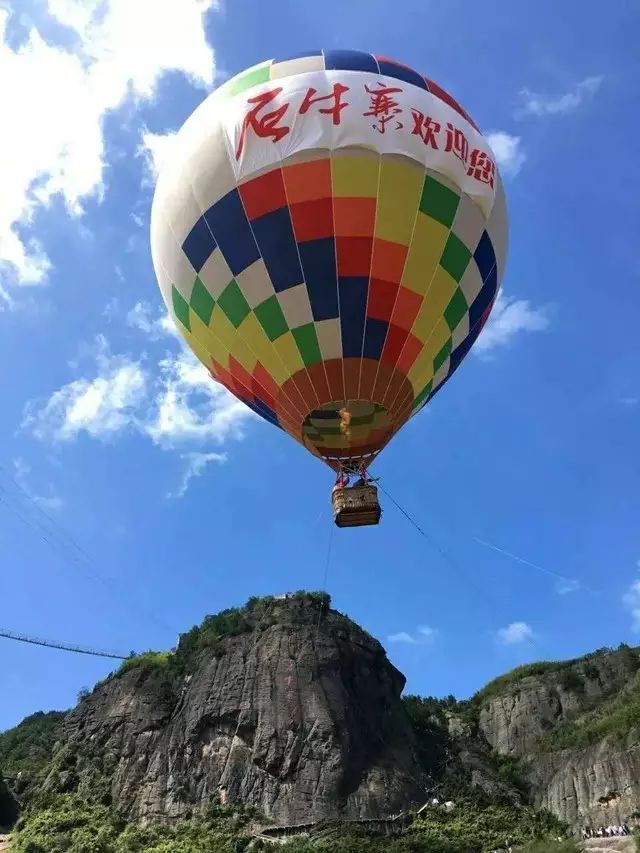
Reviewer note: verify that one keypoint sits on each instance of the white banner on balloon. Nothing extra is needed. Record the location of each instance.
(334, 109)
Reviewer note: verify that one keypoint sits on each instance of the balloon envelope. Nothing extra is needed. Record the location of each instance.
(329, 235)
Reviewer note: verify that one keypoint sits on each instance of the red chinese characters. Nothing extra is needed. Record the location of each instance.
(383, 106)
(457, 143)
(482, 167)
(426, 128)
(269, 116)
(338, 104)
(267, 125)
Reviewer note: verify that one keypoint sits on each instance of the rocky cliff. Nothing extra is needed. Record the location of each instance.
(291, 708)
(574, 727)
(8, 807)
(288, 706)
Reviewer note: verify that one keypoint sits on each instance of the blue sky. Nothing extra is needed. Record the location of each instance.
(135, 497)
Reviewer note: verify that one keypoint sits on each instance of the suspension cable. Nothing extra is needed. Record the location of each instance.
(64, 647)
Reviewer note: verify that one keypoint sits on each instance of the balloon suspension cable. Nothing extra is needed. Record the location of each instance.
(323, 588)
(446, 556)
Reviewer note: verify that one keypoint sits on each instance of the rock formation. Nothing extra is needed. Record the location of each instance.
(290, 707)
(299, 715)
(8, 807)
(593, 782)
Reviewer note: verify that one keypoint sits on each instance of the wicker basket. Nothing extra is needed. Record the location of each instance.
(356, 506)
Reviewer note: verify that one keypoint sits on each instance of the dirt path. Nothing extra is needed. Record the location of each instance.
(621, 844)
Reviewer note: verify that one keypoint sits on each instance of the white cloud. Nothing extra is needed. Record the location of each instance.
(52, 141)
(182, 404)
(195, 466)
(535, 104)
(565, 586)
(401, 637)
(50, 502)
(515, 633)
(631, 600)
(155, 150)
(189, 406)
(422, 636)
(101, 406)
(111, 309)
(508, 151)
(509, 317)
(155, 326)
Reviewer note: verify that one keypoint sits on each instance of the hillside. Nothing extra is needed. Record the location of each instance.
(284, 713)
(574, 728)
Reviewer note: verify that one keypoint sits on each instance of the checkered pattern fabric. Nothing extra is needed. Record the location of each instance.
(336, 293)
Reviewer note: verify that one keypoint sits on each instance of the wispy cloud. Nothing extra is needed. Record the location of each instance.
(401, 637)
(100, 406)
(508, 151)
(565, 586)
(189, 406)
(536, 104)
(154, 325)
(155, 150)
(515, 634)
(69, 90)
(50, 502)
(510, 317)
(178, 405)
(195, 465)
(423, 635)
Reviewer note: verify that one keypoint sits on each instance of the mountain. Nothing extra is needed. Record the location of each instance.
(285, 705)
(285, 713)
(574, 727)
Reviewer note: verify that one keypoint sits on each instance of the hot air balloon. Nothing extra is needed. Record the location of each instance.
(329, 235)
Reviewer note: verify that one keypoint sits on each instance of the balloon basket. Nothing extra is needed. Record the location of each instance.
(356, 506)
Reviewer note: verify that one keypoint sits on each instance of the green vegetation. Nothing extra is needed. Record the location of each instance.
(27, 748)
(71, 824)
(613, 718)
(147, 660)
(256, 615)
(571, 673)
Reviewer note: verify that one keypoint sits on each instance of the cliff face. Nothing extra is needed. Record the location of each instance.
(290, 707)
(572, 727)
(515, 720)
(301, 718)
(596, 785)
(8, 807)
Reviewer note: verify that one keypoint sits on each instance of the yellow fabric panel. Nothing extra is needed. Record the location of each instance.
(433, 305)
(199, 349)
(399, 195)
(244, 353)
(206, 339)
(439, 294)
(222, 328)
(289, 353)
(354, 176)
(251, 330)
(438, 339)
(429, 238)
(421, 372)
